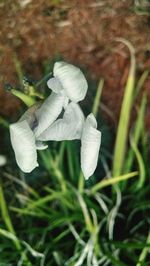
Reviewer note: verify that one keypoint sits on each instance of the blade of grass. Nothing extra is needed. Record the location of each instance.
(70, 157)
(122, 131)
(4, 122)
(98, 97)
(18, 68)
(144, 252)
(8, 223)
(136, 134)
(142, 172)
(85, 212)
(112, 181)
(141, 82)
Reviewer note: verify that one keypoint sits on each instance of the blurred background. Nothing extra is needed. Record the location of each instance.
(82, 32)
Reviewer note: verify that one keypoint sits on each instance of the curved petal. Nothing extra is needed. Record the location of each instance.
(68, 128)
(66, 102)
(48, 112)
(30, 116)
(90, 145)
(54, 85)
(72, 80)
(3, 160)
(23, 143)
(40, 145)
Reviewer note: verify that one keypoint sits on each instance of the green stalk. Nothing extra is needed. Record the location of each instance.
(144, 252)
(112, 181)
(98, 97)
(81, 182)
(136, 133)
(122, 132)
(141, 82)
(28, 100)
(8, 223)
(43, 80)
(4, 122)
(18, 68)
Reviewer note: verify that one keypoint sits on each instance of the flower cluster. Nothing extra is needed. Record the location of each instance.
(40, 123)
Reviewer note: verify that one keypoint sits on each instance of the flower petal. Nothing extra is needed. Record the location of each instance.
(72, 80)
(68, 128)
(40, 145)
(48, 112)
(3, 160)
(54, 85)
(23, 143)
(90, 145)
(30, 116)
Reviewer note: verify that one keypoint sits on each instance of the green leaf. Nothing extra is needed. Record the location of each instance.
(122, 131)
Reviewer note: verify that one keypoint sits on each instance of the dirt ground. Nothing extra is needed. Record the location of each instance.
(83, 32)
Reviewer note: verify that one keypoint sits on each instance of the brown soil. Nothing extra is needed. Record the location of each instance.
(83, 32)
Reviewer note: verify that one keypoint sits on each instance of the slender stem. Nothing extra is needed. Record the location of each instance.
(4, 122)
(98, 97)
(144, 252)
(43, 79)
(81, 182)
(9, 225)
(6, 217)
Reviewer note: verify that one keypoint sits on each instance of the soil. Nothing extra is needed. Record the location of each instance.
(84, 33)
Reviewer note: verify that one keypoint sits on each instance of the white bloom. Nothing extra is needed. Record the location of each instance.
(68, 79)
(67, 128)
(40, 122)
(90, 145)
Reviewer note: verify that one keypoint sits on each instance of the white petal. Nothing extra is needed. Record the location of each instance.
(3, 160)
(68, 128)
(40, 145)
(90, 145)
(54, 85)
(48, 112)
(66, 102)
(30, 116)
(72, 80)
(23, 143)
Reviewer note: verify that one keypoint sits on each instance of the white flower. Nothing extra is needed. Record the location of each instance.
(68, 80)
(90, 145)
(41, 123)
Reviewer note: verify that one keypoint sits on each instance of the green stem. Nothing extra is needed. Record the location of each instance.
(122, 131)
(4, 122)
(144, 252)
(112, 181)
(49, 75)
(98, 97)
(9, 225)
(28, 100)
(81, 182)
